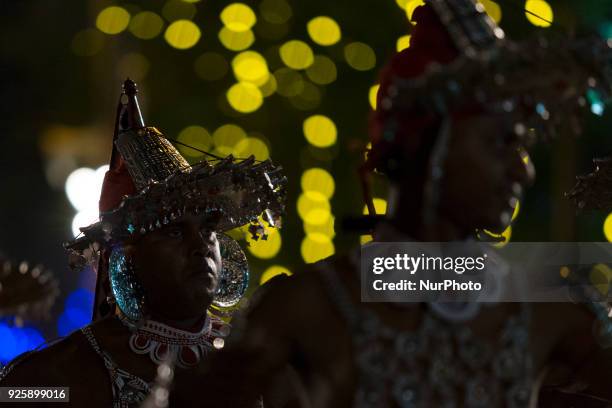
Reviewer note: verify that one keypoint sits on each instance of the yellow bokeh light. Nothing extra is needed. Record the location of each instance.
(319, 180)
(113, 20)
(272, 271)
(178, 10)
(401, 3)
(252, 146)
(411, 5)
(600, 276)
(607, 227)
(372, 95)
(402, 43)
(244, 97)
(322, 71)
(146, 25)
(133, 65)
(324, 30)
(250, 66)
(380, 205)
(542, 10)
(515, 213)
(194, 136)
(269, 87)
(275, 11)
(308, 99)
(320, 131)
(226, 137)
(492, 9)
(316, 247)
(289, 82)
(325, 228)
(238, 17)
(506, 235)
(182, 34)
(309, 201)
(296, 54)
(266, 248)
(236, 40)
(360, 56)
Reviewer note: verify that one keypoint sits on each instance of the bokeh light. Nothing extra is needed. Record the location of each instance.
(77, 312)
(542, 10)
(360, 56)
(211, 66)
(308, 98)
(272, 271)
(505, 236)
(269, 87)
(244, 97)
(320, 131)
(402, 43)
(83, 188)
(296, 54)
(236, 40)
(316, 247)
(380, 206)
(133, 65)
(318, 180)
(250, 66)
(182, 34)
(194, 136)
(607, 227)
(401, 3)
(322, 71)
(275, 11)
(289, 82)
(146, 25)
(411, 5)
(492, 9)
(113, 20)
(226, 137)
(238, 17)
(266, 248)
(252, 146)
(325, 228)
(310, 201)
(372, 94)
(178, 10)
(324, 30)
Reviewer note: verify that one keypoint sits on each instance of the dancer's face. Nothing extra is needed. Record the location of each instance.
(485, 173)
(179, 267)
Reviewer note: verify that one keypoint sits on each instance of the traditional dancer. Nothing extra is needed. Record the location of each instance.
(455, 113)
(163, 265)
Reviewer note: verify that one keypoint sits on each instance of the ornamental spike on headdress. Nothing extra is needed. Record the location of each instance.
(131, 116)
(148, 155)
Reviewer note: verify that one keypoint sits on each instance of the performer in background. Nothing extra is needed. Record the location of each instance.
(455, 113)
(163, 265)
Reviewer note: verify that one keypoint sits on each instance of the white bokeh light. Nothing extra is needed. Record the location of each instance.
(83, 187)
(83, 219)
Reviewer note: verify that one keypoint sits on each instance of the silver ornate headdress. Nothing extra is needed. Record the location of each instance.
(150, 185)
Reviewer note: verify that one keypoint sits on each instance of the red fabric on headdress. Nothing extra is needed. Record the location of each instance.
(430, 42)
(117, 184)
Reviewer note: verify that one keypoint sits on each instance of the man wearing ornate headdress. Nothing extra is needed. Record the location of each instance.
(164, 265)
(454, 114)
